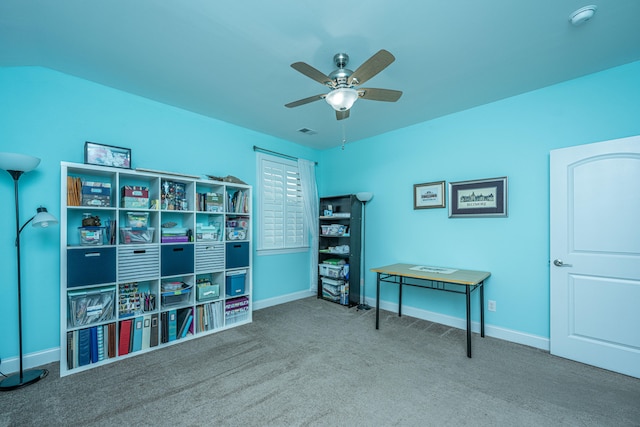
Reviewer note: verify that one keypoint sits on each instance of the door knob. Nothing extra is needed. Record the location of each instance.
(559, 263)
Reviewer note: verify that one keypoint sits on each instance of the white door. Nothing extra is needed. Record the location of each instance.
(595, 254)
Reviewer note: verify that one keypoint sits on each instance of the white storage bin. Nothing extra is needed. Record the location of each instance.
(332, 289)
(332, 271)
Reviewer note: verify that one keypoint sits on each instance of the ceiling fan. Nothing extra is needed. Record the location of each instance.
(343, 82)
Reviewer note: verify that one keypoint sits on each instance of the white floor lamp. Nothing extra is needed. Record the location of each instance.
(16, 165)
(364, 197)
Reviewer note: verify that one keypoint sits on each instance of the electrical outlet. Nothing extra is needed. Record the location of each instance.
(491, 306)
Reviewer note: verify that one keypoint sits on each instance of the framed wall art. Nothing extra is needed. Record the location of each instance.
(106, 155)
(478, 198)
(428, 195)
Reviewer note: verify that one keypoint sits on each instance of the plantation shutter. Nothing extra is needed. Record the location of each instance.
(281, 209)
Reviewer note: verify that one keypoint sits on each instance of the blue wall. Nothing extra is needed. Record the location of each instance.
(50, 115)
(512, 138)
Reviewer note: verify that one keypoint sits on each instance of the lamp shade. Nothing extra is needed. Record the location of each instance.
(342, 99)
(43, 218)
(18, 162)
(364, 196)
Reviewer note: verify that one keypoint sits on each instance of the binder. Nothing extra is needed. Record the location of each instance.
(165, 327)
(188, 324)
(105, 341)
(125, 336)
(93, 335)
(100, 330)
(112, 340)
(76, 336)
(173, 325)
(84, 347)
(70, 350)
(182, 321)
(137, 334)
(146, 331)
(154, 330)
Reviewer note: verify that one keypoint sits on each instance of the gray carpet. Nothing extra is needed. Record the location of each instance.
(315, 363)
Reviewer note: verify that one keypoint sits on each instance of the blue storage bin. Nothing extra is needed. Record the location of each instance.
(235, 283)
(90, 266)
(237, 255)
(176, 259)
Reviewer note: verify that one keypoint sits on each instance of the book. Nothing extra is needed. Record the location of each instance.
(153, 340)
(137, 334)
(188, 324)
(182, 321)
(112, 340)
(125, 336)
(84, 347)
(100, 336)
(93, 331)
(164, 327)
(76, 336)
(70, 350)
(173, 327)
(146, 331)
(105, 342)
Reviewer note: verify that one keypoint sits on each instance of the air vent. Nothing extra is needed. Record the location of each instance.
(307, 131)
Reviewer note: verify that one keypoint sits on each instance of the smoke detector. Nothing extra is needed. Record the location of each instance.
(582, 15)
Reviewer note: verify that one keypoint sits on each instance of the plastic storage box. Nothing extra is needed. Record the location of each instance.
(332, 271)
(332, 289)
(207, 291)
(175, 296)
(90, 236)
(130, 235)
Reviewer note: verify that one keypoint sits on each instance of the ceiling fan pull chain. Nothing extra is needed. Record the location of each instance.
(344, 138)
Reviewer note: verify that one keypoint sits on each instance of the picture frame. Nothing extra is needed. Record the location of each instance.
(429, 195)
(478, 198)
(107, 155)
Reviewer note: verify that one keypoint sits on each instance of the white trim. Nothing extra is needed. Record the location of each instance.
(30, 360)
(270, 302)
(455, 322)
(52, 355)
(283, 251)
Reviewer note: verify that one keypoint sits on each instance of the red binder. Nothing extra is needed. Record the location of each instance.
(125, 336)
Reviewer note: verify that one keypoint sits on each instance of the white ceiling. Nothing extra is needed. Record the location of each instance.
(231, 60)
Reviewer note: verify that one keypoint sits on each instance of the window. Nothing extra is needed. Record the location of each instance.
(281, 224)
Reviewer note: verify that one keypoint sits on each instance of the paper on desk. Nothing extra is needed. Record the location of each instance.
(439, 270)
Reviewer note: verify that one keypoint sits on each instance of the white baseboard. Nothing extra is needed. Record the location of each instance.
(258, 305)
(52, 355)
(456, 322)
(30, 360)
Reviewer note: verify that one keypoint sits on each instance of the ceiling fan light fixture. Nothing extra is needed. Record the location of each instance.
(342, 99)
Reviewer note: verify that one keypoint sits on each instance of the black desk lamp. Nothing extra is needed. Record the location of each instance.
(16, 165)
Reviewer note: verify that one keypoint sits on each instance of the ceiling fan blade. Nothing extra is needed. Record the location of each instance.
(312, 73)
(371, 67)
(372, 94)
(305, 101)
(341, 115)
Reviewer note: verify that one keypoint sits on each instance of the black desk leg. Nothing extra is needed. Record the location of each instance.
(377, 300)
(400, 297)
(482, 309)
(468, 295)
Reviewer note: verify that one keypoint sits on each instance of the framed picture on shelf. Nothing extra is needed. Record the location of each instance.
(428, 195)
(478, 198)
(107, 155)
